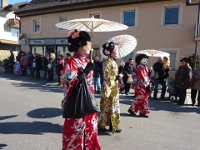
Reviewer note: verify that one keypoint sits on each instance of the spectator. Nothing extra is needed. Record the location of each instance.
(159, 79)
(182, 80)
(129, 71)
(50, 67)
(38, 67)
(17, 68)
(11, 62)
(195, 86)
(97, 72)
(60, 68)
(24, 63)
(6, 65)
(45, 63)
(121, 76)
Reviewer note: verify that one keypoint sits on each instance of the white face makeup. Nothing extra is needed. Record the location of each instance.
(88, 47)
(85, 50)
(144, 61)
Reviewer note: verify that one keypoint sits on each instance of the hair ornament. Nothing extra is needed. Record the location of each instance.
(107, 52)
(73, 33)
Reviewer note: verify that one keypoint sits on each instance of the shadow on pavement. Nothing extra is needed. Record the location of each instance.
(3, 145)
(7, 117)
(45, 113)
(32, 83)
(29, 128)
(172, 107)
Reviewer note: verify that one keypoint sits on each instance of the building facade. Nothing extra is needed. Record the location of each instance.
(166, 25)
(9, 29)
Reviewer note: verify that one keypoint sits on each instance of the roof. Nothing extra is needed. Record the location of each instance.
(37, 7)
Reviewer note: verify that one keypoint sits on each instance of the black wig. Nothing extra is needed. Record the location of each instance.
(75, 42)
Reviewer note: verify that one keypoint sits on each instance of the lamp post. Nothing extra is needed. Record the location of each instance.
(189, 3)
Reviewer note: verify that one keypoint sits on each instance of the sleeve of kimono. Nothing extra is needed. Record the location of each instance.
(143, 76)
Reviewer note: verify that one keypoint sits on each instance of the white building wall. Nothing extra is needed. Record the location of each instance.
(5, 29)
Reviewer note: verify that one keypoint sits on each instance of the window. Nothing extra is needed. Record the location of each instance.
(95, 15)
(15, 32)
(171, 15)
(61, 19)
(36, 25)
(129, 18)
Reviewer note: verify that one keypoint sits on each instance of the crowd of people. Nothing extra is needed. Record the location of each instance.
(33, 64)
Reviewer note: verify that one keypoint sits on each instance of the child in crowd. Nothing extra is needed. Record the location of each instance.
(17, 68)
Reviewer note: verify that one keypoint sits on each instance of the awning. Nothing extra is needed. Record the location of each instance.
(6, 54)
(8, 42)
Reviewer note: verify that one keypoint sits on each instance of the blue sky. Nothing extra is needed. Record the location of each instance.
(17, 1)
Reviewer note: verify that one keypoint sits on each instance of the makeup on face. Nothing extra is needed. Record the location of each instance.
(144, 61)
(88, 47)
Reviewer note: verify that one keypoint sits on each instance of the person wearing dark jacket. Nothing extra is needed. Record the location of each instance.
(182, 80)
(195, 87)
(97, 71)
(159, 79)
(129, 70)
(121, 76)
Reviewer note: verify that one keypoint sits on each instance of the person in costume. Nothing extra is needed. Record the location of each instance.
(109, 104)
(81, 133)
(142, 87)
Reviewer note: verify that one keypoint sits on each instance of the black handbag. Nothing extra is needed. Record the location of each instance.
(81, 102)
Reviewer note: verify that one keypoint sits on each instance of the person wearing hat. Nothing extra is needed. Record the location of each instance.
(109, 104)
(182, 80)
(142, 87)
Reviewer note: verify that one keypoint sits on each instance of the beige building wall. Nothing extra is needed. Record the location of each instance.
(149, 29)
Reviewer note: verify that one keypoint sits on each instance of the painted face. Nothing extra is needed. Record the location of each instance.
(115, 52)
(144, 61)
(85, 50)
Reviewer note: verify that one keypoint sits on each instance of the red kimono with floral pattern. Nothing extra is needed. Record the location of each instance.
(141, 95)
(81, 133)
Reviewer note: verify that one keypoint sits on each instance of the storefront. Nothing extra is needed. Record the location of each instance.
(46, 46)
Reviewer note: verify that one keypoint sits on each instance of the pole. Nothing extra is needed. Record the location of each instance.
(196, 45)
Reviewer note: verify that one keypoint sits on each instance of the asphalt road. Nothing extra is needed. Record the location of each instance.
(30, 119)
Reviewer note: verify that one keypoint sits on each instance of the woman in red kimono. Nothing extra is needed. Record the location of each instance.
(142, 87)
(80, 133)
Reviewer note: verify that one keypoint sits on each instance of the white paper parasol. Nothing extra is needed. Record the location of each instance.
(153, 53)
(126, 44)
(92, 25)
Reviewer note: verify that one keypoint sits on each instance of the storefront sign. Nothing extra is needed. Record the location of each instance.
(37, 42)
(61, 41)
(50, 41)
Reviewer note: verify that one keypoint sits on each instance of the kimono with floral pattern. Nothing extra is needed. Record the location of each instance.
(141, 95)
(81, 133)
(109, 104)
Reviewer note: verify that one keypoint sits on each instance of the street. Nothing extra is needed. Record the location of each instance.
(30, 119)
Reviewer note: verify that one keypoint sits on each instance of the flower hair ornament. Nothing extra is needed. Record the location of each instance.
(107, 52)
(73, 33)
